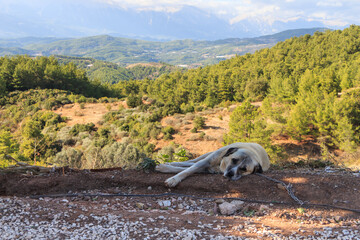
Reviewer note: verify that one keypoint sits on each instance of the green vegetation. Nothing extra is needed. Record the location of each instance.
(107, 72)
(23, 73)
(309, 87)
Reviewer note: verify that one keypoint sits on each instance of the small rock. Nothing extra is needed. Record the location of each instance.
(264, 207)
(164, 203)
(64, 200)
(237, 203)
(149, 188)
(227, 208)
(219, 201)
(338, 218)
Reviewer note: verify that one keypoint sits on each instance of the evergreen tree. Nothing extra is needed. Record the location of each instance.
(241, 125)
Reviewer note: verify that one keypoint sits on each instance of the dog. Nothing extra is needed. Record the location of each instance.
(234, 161)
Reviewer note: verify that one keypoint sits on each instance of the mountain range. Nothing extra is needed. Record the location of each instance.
(127, 51)
(80, 18)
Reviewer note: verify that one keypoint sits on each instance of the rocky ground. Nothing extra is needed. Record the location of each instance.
(91, 205)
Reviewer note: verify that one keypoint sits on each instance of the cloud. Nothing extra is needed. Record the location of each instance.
(330, 12)
(329, 4)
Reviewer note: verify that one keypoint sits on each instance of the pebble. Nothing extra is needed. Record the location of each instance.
(164, 203)
(22, 218)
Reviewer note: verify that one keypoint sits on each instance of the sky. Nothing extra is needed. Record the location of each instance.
(332, 13)
(172, 19)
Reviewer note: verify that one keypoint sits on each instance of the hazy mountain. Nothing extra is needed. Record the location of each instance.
(127, 51)
(81, 18)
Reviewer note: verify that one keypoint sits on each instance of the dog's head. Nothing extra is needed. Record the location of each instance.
(238, 162)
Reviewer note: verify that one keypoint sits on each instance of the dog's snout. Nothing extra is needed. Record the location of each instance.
(229, 174)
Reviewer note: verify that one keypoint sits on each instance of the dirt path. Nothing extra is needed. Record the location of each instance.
(176, 216)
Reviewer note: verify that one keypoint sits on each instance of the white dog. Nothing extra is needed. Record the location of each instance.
(234, 160)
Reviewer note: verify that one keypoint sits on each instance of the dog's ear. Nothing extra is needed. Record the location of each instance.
(257, 169)
(230, 151)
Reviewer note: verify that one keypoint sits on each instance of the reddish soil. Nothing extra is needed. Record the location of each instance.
(89, 113)
(337, 188)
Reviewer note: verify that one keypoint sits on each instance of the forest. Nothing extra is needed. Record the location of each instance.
(308, 87)
(108, 72)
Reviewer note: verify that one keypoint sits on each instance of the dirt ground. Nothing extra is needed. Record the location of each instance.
(89, 113)
(332, 187)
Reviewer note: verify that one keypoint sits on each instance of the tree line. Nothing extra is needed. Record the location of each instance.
(23, 72)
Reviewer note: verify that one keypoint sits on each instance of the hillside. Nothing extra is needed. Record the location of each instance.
(129, 51)
(308, 85)
(108, 72)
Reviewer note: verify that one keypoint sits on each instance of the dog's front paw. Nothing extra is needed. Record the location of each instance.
(171, 182)
(161, 168)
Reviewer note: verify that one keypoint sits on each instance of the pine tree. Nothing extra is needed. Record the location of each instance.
(241, 123)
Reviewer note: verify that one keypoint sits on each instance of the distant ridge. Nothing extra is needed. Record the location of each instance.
(129, 51)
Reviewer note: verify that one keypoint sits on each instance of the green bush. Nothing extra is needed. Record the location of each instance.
(199, 122)
(77, 128)
(193, 130)
(121, 155)
(69, 157)
(133, 101)
(168, 130)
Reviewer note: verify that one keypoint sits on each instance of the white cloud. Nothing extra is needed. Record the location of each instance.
(329, 4)
(330, 12)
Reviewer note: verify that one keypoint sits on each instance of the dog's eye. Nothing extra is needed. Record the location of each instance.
(243, 169)
(234, 160)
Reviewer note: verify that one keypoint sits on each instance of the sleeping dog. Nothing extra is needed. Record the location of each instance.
(234, 161)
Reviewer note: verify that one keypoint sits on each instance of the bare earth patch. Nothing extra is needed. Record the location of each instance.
(214, 130)
(90, 113)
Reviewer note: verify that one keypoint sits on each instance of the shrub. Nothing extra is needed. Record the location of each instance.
(154, 132)
(168, 136)
(166, 154)
(149, 148)
(133, 101)
(148, 164)
(121, 155)
(81, 99)
(69, 157)
(193, 130)
(77, 128)
(199, 122)
(168, 130)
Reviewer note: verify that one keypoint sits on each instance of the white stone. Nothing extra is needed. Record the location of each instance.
(227, 208)
(164, 203)
(237, 203)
